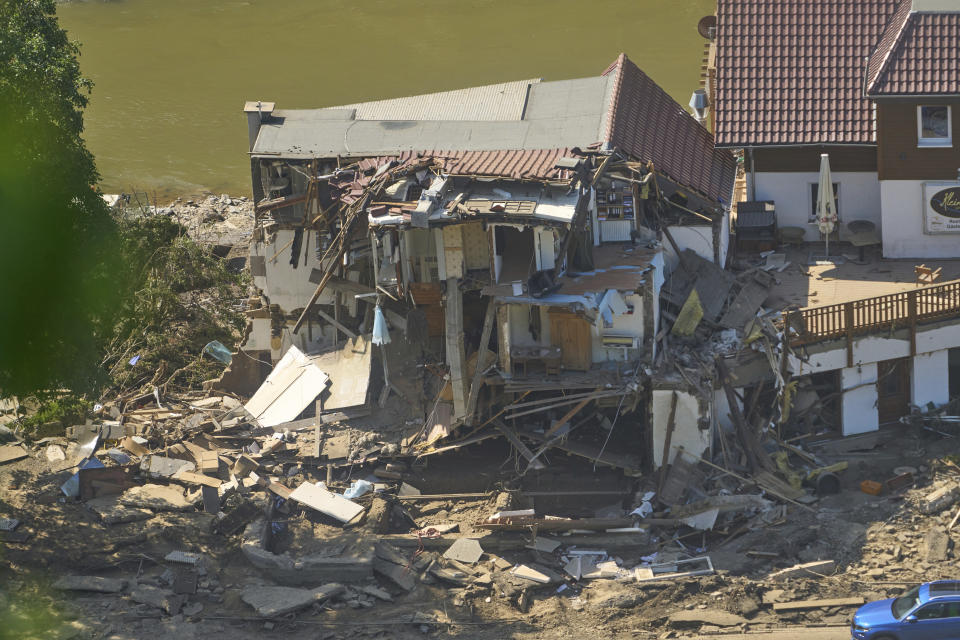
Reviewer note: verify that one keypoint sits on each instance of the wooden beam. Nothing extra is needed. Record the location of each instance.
(515, 440)
(453, 339)
(559, 424)
(671, 424)
(336, 323)
(745, 480)
(488, 319)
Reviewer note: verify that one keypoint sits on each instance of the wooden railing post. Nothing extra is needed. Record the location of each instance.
(912, 315)
(848, 325)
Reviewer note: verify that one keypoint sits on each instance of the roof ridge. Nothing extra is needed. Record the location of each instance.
(882, 68)
(616, 66)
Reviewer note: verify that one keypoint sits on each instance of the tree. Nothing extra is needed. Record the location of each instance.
(56, 234)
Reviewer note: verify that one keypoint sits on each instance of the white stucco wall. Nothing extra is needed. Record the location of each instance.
(859, 401)
(929, 376)
(903, 237)
(859, 197)
(930, 380)
(698, 239)
(686, 431)
(288, 287)
(623, 325)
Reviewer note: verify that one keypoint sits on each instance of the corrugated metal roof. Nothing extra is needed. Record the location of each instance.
(625, 108)
(566, 113)
(503, 101)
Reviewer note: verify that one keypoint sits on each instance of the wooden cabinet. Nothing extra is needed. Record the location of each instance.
(571, 333)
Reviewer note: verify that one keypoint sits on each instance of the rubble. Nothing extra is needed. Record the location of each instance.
(90, 583)
(272, 602)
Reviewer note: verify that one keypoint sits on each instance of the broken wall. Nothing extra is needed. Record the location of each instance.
(691, 413)
(699, 239)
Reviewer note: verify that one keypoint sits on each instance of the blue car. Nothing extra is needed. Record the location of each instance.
(928, 612)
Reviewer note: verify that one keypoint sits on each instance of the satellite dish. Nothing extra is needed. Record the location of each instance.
(707, 27)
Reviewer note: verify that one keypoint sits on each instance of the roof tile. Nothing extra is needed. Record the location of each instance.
(792, 71)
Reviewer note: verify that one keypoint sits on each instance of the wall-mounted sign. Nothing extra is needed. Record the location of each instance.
(941, 207)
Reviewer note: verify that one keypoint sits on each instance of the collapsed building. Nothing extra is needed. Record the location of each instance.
(518, 235)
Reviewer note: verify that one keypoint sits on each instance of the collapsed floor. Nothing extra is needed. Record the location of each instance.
(213, 528)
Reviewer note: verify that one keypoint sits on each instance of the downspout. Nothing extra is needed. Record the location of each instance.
(753, 175)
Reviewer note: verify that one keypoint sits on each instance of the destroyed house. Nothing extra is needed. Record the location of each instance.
(848, 341)
(517, 227)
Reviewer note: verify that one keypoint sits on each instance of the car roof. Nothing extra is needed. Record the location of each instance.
(942, 589)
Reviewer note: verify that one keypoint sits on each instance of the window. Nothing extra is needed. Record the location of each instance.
(931, 612)
(934, 126)
(815, 193)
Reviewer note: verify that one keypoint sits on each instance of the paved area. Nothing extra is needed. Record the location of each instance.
(816, 633)
(821, 285)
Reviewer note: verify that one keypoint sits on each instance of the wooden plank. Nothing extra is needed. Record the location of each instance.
(664, 461)
(797, 605)
(569, 414)
(336, 323)
(515, 440)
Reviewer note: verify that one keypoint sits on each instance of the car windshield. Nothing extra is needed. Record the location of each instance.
(906, 602)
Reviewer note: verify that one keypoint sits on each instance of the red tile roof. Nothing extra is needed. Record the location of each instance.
(529, 164)
(792, 71)
(644, 121)
(918, 55)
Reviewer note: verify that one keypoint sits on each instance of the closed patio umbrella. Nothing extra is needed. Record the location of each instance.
(826, 205)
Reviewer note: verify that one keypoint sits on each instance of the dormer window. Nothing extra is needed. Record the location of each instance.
(934, 126)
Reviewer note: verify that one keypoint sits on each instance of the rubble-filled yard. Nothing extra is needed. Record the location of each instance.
(180, 518)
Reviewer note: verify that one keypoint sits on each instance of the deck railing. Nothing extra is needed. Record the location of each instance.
(892, 311)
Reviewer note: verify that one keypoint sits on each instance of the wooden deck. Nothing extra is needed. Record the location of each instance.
(814, 286)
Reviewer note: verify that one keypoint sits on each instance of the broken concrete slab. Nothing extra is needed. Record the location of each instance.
(807, 570)
(90, 583)
(706, 616)
(156, 497)
(192, 478)
(377, 592)
(529, 573)
(353, 561)
(184, 557)
(326, 502)
(158, 598)
(271, 602)
(156, 466)
(465, 550)
(936, 545)
(55, 453)
(940, 498)
(112, 512)
(544, 545)
(403, 577)
(12, 453)
(9, 524)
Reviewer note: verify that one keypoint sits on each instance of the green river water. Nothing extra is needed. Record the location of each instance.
(172, 75)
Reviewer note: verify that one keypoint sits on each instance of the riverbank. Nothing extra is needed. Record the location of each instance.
(209, 219)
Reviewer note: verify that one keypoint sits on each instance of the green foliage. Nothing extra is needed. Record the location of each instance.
(179, 298)
(66, 409)
(80, 290)
(57, 256)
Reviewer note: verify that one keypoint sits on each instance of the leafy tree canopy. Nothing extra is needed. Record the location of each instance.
(57, 238)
